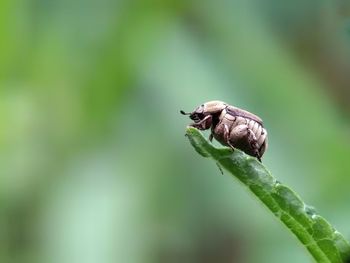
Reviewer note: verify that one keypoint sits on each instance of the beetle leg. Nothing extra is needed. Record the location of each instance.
(201, 123)
(211, 136)
(227, 136)
(221, 171)
(254, 143)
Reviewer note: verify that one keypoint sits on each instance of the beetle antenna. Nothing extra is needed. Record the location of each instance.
(185, 113)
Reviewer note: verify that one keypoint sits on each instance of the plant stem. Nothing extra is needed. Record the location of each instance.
(325, 244)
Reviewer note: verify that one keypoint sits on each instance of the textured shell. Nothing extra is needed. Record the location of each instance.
(234, 111)
(238, 122)
(214, 106)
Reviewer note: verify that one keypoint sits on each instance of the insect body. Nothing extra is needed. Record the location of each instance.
(231, 126)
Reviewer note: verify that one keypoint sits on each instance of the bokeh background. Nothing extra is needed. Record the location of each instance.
(94, 165)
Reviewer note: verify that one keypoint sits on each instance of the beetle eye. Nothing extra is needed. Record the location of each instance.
(197, 117)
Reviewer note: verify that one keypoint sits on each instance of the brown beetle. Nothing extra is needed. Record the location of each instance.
(231, 126)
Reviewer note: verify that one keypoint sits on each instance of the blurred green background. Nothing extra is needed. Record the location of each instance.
(94, 163)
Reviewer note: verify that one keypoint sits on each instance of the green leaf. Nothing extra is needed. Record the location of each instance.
(324, 243)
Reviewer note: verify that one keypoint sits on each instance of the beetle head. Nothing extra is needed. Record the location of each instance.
(203, 114)
(209, 108)
(195, 116)
(201, 121)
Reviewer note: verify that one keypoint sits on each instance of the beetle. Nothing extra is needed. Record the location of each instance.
(231, 126)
